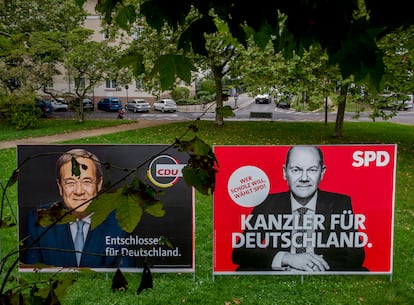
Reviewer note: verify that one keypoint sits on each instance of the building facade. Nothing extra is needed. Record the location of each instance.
(108, 88)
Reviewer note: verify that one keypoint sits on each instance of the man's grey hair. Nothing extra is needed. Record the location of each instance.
(298, 146)
(79, 152)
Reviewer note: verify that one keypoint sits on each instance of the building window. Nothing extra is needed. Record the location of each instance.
(136, 35)
(106, 34)
(80, 82)
(139, 85)
(111, 84)
(138, 32)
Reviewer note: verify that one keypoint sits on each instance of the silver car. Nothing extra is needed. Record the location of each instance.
(138, 105)
(165, 105)
(59, 104)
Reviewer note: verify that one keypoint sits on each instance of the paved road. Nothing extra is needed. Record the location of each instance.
(245, 109)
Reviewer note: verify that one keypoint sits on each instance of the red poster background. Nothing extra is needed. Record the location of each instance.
(370, 187)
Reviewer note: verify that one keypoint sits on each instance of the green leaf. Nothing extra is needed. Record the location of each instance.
(126, 16)
(56, 290)
(191, 35)
(130, 202)
(158, 12)
(61, 285)
(55, 212)
(199, 171)
(200, 179)
(129, 212)
(156, 210)
(106, 7)
(80, 2)
(102, 206)
(171, 66)
(75, 167)
(134, 60)
(261, 37)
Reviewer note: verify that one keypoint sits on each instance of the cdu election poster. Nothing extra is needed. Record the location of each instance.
(90, 183)
(317, 209)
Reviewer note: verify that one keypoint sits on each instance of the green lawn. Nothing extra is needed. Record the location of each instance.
(51, 126)
(200, 288)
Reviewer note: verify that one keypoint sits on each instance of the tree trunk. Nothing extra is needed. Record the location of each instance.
(219, 96)
(340, 115)
(82, 112)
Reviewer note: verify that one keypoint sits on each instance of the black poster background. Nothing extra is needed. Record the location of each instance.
(37, 186)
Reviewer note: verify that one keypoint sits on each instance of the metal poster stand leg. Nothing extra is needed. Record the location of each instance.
(301, 279)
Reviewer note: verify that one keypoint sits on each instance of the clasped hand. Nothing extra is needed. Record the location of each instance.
(305, 261)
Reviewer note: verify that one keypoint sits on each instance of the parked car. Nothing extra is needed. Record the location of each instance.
(263, 99)
(407, 103)
(59, 104)
(284, 100)
(395, 101)
(110, 104)
(165, 105)
(138, 105)
(44, 107)
(87, 104)
(283, 105)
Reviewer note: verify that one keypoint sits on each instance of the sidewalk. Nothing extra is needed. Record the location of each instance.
(83, 133)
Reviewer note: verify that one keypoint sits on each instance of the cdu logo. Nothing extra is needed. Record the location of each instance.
(165, 171)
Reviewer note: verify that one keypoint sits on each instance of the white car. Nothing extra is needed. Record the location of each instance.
(138, 105)
(59, 104)
(408, 104)
(165, 105)
(264, 98)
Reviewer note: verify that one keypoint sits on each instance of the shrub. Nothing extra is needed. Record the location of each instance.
(23, 116)
(179, 93)
(201, 94)
(207, 85)
(19, 110)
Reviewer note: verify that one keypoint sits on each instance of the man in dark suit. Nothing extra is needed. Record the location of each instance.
(301, 229)
(73, 244)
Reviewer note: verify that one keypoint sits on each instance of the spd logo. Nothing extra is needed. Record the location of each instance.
(165, 171)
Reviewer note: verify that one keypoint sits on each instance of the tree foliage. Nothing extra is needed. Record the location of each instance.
(33, 40)
(398, 48)
(348, 36)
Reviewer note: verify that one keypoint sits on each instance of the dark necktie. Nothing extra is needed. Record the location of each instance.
(302, 211)
(79, 240)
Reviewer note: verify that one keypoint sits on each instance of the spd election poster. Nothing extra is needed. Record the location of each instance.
(50, 179)
(304, 209)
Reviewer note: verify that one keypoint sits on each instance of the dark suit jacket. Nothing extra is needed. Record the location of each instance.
(59, 237)
(339, 259)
